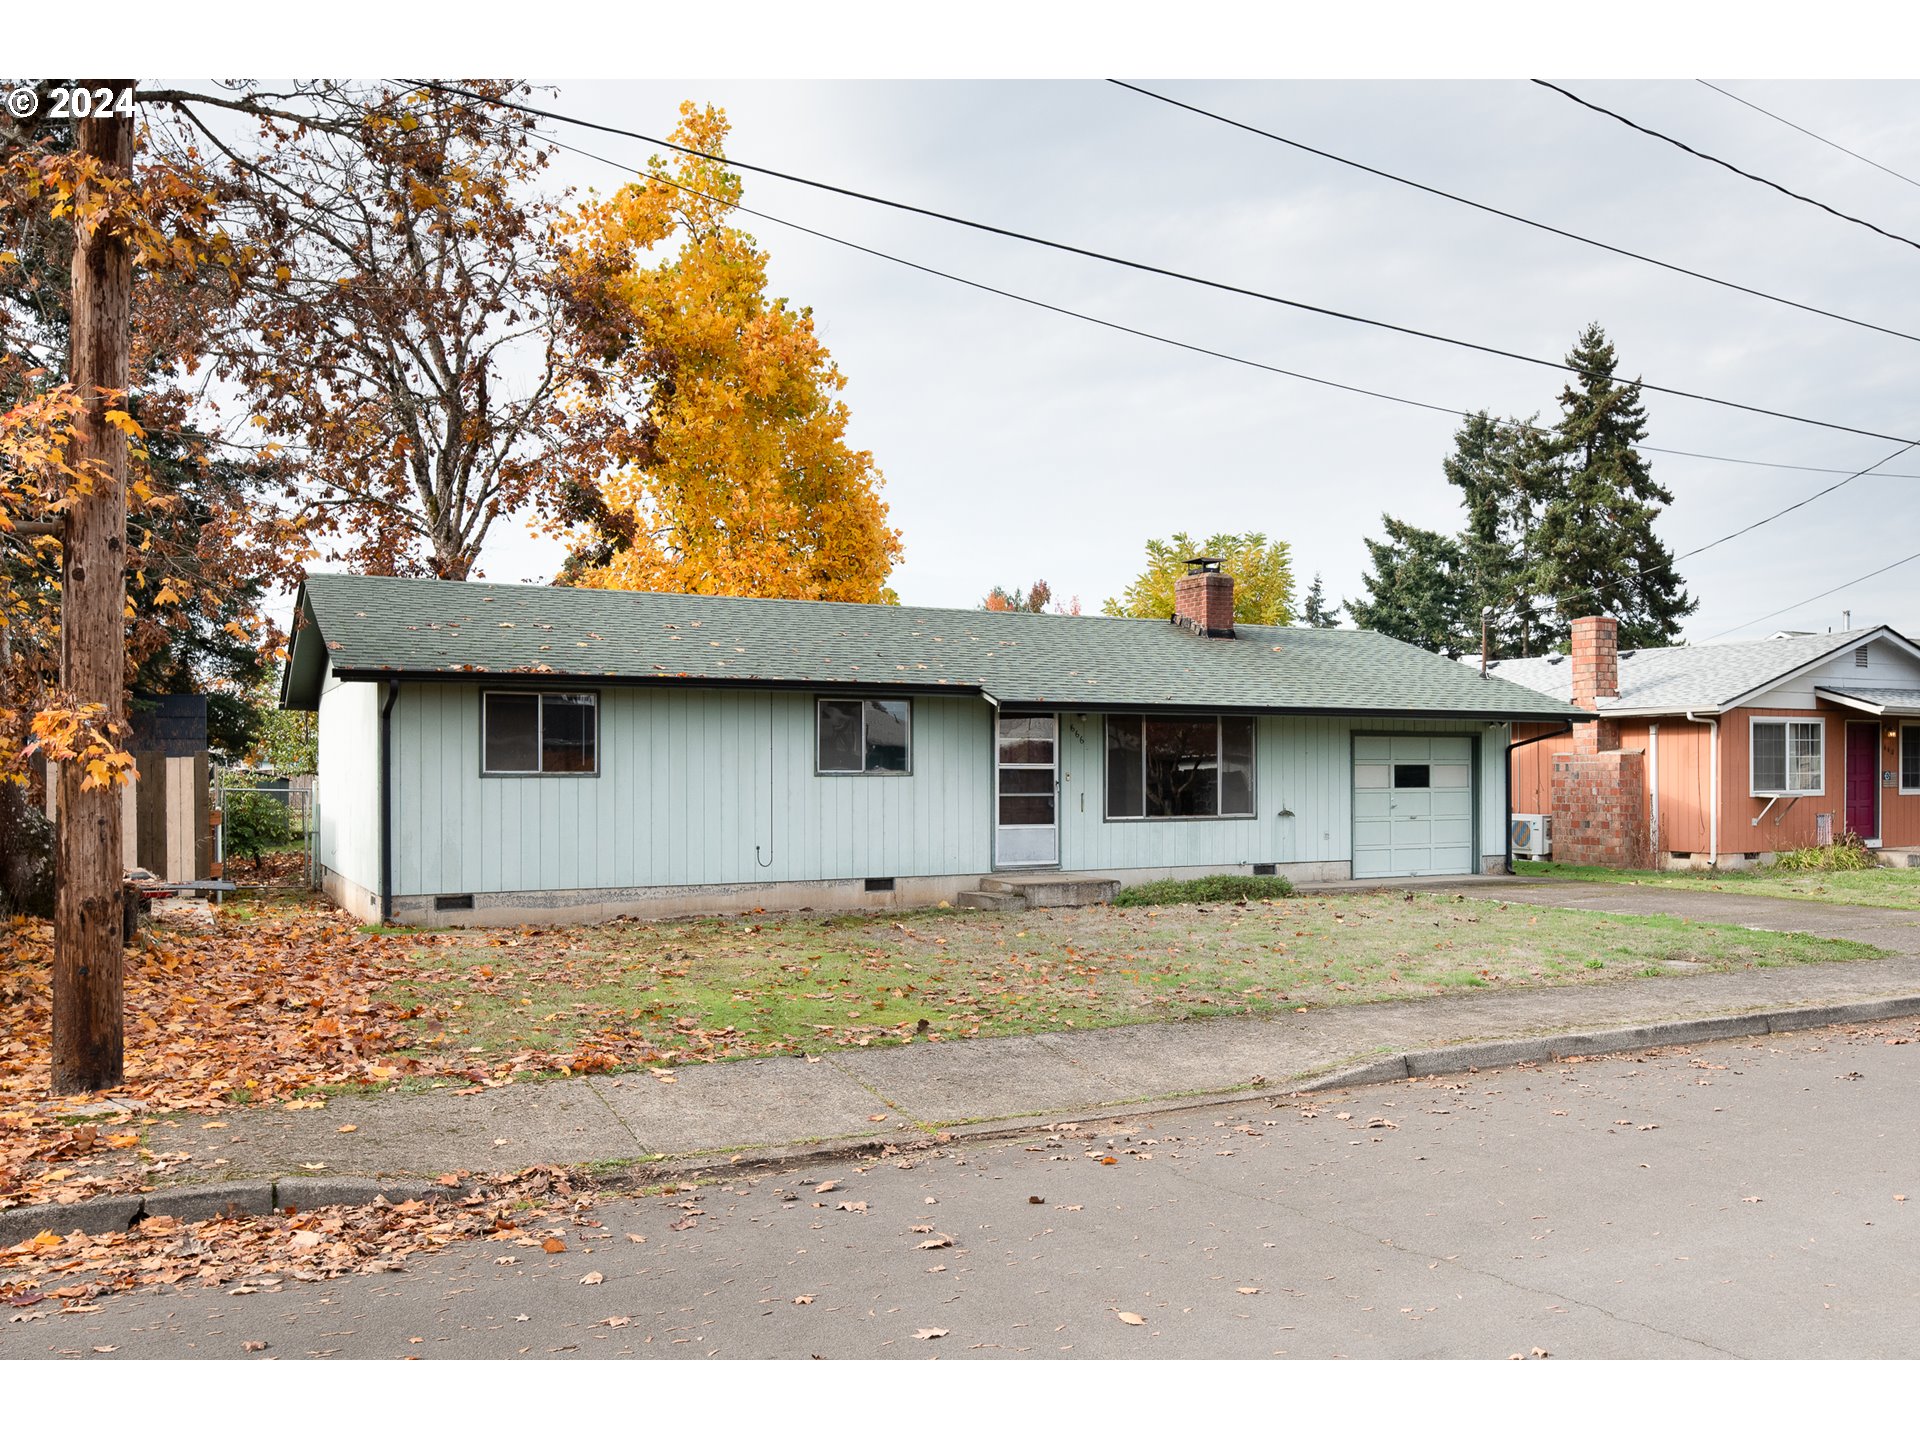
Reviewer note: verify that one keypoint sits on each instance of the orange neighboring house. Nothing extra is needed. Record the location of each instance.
(1723, 755)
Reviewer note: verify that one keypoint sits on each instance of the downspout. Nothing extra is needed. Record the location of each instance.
(1507, 777)
(1713, 787)
(386, 804)
(1653, 786)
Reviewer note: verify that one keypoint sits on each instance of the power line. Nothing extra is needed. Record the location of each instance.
(1223, 354)
(1739, 100)
(1858, 579)
(1768, 520)
(1509, 215)
(1728, 165)
(1227, 355)
(1144, 267)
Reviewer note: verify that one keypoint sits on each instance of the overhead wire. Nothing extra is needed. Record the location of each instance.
(1145, 267)
(1834, 144)
(1228, 356)
(1798, 604)
(1435, 190)
(1727, 165)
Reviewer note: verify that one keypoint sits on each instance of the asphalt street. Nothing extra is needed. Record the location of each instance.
(1755, 1198)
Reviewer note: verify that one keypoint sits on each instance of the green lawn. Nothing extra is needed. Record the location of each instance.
(754, 986)
(1897, 889)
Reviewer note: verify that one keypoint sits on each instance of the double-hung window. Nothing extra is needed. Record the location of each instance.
(1910, 757)
(1789, 757)
(1179, 767)
(864, 737)
(536, 732)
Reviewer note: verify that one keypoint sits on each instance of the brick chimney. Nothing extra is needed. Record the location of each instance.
(1203, 598)
(1596, 677)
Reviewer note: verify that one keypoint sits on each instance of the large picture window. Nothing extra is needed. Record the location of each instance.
(1910, 757)
(1789, 757)
(1179, 767)
(529, 732)
(864, 737)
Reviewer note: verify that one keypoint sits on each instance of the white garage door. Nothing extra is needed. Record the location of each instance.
(1412, 805)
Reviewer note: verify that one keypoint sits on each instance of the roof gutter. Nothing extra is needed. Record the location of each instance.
(1566, 728)
(1713, 787)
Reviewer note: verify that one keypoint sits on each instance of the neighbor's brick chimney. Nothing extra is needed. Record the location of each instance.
(1596, 676)
(1203, 598)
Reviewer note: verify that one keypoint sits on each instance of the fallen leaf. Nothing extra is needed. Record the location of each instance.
(346, 1129)
(592, 1277)
(553, 1245)
(1751, 1199)
(214, 1125)
(109, 1349)
(825, 1185)
(1036, 1200)
(614, 1322)
(684, 1223)
(1249, 1290)
(637, 1239)
(803, 1299)
(1127, 1317)
(930, 1333)
(261, 1345)
(938, 1242)
(859, 1207)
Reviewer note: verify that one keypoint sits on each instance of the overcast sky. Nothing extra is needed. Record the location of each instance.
(1018, 444)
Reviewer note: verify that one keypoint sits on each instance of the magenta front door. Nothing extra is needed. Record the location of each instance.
(1863, 781)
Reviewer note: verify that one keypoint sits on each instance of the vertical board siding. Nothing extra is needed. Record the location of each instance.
(693, 781)
(347, 788)
(690, 783)
(1303, 797)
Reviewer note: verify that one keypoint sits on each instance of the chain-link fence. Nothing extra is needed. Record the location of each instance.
(266, 828)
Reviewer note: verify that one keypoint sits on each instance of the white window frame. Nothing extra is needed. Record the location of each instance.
(1753, 727)
(1909, 727)
(539, 736)
(863, 701)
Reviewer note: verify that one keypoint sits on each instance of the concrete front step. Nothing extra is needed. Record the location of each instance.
(1048, 889)
(992, 900)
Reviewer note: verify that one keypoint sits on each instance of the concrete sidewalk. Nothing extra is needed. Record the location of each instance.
(767, 1108)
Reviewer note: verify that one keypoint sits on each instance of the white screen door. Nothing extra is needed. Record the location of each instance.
(1026, 800)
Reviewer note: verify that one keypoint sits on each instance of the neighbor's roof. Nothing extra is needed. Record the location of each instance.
(1874, 699)
(1695, 677)
(375, 628)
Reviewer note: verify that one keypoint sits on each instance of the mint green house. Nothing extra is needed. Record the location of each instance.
(505, 754)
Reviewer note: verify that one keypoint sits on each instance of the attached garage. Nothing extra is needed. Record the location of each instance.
(1412, 805)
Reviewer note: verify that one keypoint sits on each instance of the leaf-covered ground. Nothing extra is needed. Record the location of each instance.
(281, 1003)
(1897, 889)
(259, 1004)
(720, 989)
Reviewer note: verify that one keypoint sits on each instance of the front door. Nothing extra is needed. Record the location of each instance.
(1863, 781)
(1026, 798)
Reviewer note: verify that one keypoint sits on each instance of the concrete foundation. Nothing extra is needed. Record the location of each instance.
(664, 902)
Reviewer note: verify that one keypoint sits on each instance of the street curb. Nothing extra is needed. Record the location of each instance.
(1492, 1055)
(105, 1213)
(191, 1202)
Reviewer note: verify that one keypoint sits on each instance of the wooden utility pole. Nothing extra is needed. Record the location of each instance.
(88, 948)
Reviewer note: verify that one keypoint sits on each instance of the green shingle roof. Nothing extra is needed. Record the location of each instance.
(374, 628)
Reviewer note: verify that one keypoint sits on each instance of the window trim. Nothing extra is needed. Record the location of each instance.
(1219, 741)
(1754, 722)
(1907, 727)
(539, 735)
(864, 701)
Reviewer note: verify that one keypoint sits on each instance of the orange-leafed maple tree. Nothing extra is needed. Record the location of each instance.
(736, 476)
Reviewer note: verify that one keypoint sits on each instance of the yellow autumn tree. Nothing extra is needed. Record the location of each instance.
(1262, 572)
(730, 470)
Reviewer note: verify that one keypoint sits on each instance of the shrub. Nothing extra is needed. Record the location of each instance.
(255, 822)
(1206, 888)
(1846, 853)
